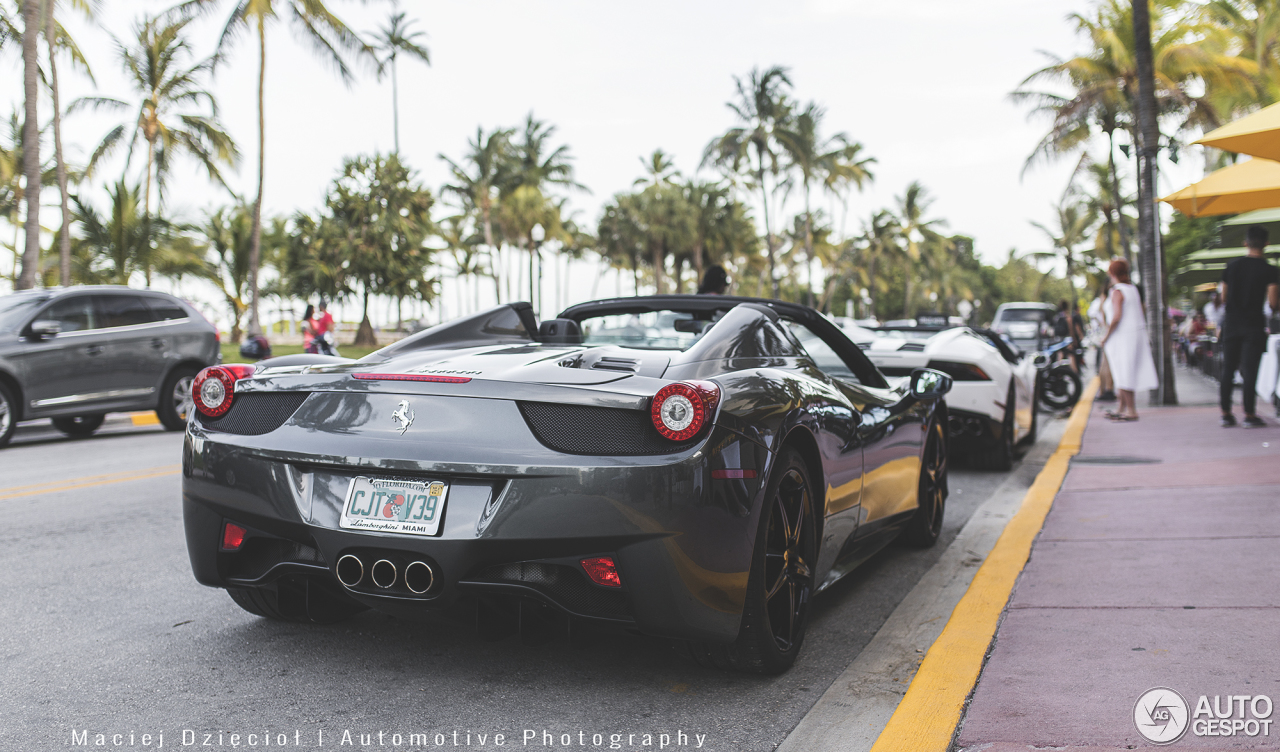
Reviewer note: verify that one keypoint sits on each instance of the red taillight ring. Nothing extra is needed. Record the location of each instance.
(214, 388)
(680, 410)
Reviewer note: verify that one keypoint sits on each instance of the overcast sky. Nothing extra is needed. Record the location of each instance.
(923, 84)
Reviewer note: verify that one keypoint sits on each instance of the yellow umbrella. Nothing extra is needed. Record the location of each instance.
(1239, 188)
(1257, 134)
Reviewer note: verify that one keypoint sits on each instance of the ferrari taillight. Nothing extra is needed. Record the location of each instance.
(681, 409)
(233, 536)
(602, 570)
(214, 388)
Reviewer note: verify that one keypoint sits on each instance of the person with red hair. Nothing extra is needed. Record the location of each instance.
(1125, 342)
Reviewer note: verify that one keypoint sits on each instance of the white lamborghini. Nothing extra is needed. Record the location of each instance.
(992, 404)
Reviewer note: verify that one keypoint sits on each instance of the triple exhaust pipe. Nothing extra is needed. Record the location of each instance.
(418, 575)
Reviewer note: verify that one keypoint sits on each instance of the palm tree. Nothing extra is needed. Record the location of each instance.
(1073, 222)
(389, 42)
(227, 233)
(1251, 28)
(1194, 76)
(532, 164)
(659, 168)
(157, 68)
(117, 239)
(762, 107)
(476, 181)
(915, 230)
(818, 159)
(882, 236)
(329, 37)
(56, 38)
(31, 141)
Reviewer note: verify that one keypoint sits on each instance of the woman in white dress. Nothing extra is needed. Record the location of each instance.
(1125, 342)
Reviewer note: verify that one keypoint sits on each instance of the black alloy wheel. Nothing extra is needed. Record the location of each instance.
(788, 562)
(926, 525)
(79, 425)
(8, 414)
(781, 582)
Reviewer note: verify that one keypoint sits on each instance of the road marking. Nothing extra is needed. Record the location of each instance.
(92, 480)
(929, 713)
(145, 419)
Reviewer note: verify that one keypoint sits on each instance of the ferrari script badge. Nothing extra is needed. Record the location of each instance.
(403, 416)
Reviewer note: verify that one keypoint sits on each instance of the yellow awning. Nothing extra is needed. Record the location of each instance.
(1257, 134)
(1232, 190)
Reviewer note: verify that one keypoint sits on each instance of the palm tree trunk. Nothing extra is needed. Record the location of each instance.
(64, 237)
(906, 293)
(768, 229)
(1148, 219)
(31, 142)
(1117, 196)
(255, 236)
(808, 248)
(395, 103)
(146, 215)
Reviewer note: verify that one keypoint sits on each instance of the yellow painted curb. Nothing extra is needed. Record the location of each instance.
(926, 719)
(144, 419)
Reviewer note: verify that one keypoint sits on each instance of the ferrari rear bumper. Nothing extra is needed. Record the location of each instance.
(681, 538)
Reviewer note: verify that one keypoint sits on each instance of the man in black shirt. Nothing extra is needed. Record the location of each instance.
(1247, 282)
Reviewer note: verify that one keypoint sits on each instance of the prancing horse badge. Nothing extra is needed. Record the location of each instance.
(403, 416)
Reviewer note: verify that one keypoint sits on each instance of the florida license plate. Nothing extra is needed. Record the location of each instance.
(394, 506)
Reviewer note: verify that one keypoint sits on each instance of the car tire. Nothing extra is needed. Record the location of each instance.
(79, 425)
(998, 455)
(780, 584)
(296, 600)
(8, 414)
(926, 525)
(175, 398)
(1030, 439)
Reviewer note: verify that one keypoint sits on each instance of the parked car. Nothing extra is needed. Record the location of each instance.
(1029, 325)
(991, 408)
(693, 467)
(75, 354)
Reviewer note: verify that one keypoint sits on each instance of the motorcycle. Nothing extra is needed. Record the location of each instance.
(1060, 385)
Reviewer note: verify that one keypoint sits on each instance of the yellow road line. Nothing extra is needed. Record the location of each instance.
(92, 480)
(926, 719)
(144, 419)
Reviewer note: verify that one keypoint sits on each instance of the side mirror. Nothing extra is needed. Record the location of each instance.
(45, 329)
(928, 384)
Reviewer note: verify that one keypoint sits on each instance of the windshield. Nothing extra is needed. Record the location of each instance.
(1011, 315)
(652, 330)
(14, 310)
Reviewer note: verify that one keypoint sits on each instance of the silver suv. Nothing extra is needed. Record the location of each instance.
(74, 354)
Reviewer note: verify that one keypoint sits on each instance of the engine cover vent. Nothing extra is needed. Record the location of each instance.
(627, 365)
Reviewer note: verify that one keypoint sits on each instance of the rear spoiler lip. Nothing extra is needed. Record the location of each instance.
(626, 392)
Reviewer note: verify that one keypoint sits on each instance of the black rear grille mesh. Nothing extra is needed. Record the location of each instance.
(585, 429)
(563, 584)
(256, 413)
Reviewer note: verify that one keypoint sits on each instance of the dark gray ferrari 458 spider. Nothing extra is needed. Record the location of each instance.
(688, 467)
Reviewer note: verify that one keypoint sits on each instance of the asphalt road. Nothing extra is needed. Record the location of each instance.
(105, 631)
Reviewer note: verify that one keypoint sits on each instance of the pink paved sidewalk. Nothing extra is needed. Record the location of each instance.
(1158, 566)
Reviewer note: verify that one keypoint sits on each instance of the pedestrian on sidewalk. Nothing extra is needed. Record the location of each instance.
(1125, 342)
(1247, 283)
(1098, 322)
